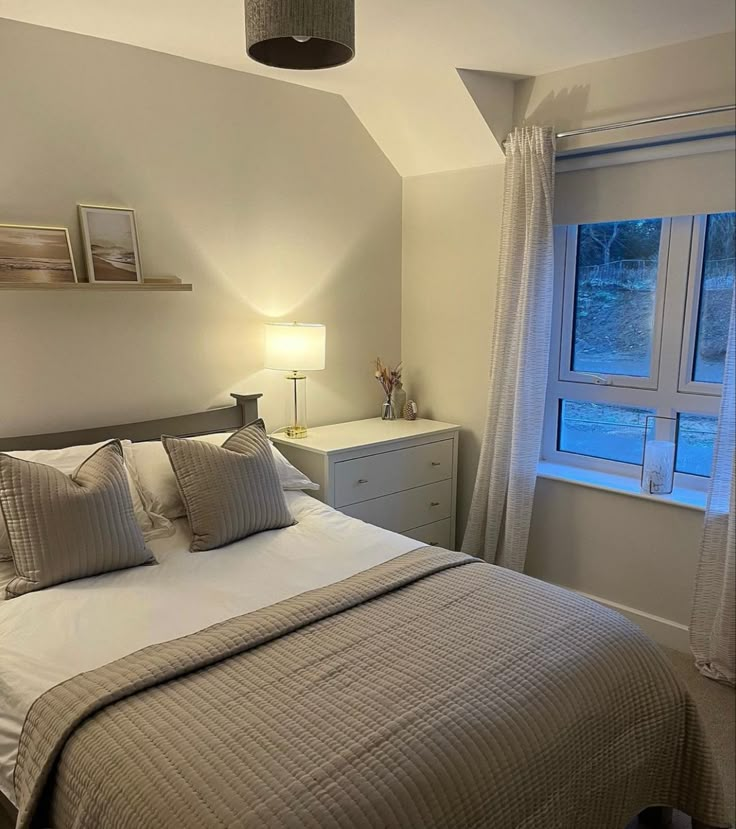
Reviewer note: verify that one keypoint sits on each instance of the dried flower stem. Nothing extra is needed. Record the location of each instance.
(388, 377)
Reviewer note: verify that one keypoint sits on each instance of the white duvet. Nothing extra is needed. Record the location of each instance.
(51, 635)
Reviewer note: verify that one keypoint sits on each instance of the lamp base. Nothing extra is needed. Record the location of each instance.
(296, 432)
(298, 426)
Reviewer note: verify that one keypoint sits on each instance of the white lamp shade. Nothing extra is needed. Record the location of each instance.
(296, 346)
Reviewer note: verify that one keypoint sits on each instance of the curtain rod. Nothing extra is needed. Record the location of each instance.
(653, 120)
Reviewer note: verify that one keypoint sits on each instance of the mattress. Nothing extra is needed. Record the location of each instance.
(51, 635)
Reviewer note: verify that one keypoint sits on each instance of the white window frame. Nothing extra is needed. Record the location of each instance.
(566, 371)
(663, 392)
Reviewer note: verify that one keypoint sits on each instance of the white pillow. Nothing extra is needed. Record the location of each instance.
(68, 460)
(291, 478)
(156, 476)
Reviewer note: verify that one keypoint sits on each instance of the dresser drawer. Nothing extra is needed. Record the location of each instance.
(363, 478)
(405, 510)
(436, 534)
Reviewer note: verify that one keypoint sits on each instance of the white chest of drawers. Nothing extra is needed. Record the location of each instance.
(397, 474)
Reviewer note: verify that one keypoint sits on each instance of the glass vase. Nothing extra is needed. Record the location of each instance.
(658, 464)
(387, 410)
(398, 401)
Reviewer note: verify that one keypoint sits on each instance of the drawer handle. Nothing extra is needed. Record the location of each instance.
(434, 503)
(362, 480)
(436, 463)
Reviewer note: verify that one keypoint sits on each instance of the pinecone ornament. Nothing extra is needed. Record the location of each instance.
(410, 410)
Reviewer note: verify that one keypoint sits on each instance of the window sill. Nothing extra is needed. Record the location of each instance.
(688, 498)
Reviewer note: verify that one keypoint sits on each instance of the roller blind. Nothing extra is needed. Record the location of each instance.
(619, 186)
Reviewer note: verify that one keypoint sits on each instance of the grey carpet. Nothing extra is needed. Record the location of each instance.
(717, 706)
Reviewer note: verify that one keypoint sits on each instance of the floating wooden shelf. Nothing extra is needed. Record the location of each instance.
(148, 285)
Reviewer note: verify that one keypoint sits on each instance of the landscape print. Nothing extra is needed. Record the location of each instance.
(35, 254)
(110, 244)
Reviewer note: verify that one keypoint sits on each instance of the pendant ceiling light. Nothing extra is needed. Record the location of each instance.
(300, 34)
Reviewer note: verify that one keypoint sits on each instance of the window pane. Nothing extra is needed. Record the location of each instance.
(601, 430)
(716, 290)
(615, 297)
(695, 439)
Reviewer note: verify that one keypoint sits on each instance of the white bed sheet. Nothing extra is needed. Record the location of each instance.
(51, 635)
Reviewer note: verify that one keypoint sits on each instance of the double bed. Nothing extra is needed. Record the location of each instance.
(333, 674)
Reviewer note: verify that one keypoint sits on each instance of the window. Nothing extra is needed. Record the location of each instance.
(615, 297)
(640, 327)
(716, 287)
(600, 430)
(696, 435)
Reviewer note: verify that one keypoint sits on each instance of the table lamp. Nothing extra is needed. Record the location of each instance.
(296, 347)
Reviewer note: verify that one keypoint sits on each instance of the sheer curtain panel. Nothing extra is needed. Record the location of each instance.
(500, 514)
(713, 621)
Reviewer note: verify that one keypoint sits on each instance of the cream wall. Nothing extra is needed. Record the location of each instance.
(451, 238)
(270, 198)
(686, 76)
(638, 555)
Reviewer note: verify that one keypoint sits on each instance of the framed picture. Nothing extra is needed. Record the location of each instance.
(110, 243)
(29, 253)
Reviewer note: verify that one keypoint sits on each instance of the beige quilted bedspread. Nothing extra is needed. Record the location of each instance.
(431, 691)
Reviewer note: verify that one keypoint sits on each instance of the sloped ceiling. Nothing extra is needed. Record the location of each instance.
(404, 84)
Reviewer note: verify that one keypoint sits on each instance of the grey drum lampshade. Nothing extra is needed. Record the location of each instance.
(300, 34)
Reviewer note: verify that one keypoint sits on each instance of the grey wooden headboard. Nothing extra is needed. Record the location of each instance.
(244, 411)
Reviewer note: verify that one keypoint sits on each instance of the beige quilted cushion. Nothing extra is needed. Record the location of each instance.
(67, 460)
(64, 527)
(229, 491)
(156, 479)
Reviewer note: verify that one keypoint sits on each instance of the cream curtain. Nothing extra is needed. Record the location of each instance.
(500, 514)
(713, 621)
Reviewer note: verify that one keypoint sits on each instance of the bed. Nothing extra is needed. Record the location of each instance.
(333, 674)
